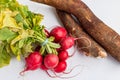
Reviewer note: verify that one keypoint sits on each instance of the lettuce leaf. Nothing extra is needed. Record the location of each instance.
(6, 34)
(4, 56)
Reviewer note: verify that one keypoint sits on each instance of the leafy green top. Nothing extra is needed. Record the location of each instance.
(20, 29)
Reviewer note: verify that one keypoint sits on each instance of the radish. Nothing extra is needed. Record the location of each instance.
(47, 32)
(43, 67)
(67, 43)
(33, 61)
(51, 61)
(63, 55)
(59, 33)
(60, 67)
(58, 49)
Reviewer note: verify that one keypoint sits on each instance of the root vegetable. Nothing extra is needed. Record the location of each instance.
(102, 33)
(33, 62)
(67, 43)
(62, 65)
(43, 67)
(51, 61)
(75, 30)
(63, 55)
(59, 33)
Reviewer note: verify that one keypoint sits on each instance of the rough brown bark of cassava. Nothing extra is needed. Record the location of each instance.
(85, 43)
(103, 34)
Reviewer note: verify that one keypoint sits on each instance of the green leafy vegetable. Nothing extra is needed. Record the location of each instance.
(18, 18)
(20, 29)
(6, 34)
(4, 56)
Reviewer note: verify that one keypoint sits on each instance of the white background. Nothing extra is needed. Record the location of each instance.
(94, 68)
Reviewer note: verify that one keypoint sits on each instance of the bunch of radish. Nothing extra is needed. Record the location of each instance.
(56, 63)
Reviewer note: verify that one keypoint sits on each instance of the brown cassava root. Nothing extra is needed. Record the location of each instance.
(102, 33)
(84, 41)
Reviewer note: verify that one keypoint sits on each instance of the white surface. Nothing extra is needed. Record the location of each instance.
(95, 69)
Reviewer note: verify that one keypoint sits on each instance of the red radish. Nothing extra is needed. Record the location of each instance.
(60, 67)
(59, 33)
(33, 61)
(51, 61)
(43, 67)
(47, 33)
(63, 55)
(59, 49)
(67, 43)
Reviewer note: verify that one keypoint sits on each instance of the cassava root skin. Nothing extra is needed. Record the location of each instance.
(85, 43)
(102, 33)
